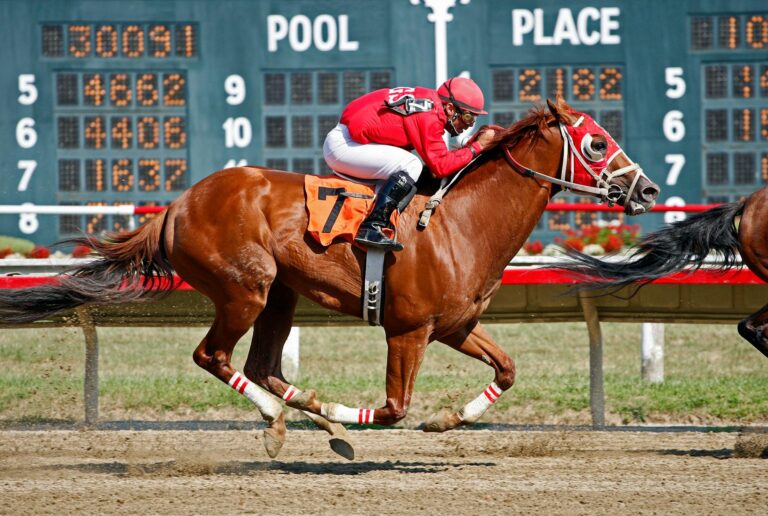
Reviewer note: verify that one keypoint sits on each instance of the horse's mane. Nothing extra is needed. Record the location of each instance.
(531, 127)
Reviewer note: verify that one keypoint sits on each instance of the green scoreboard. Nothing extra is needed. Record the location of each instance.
(112, 102)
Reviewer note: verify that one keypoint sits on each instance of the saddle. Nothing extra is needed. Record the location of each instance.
(336, 207)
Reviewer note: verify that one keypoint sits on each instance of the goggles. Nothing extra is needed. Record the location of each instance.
(466, 117)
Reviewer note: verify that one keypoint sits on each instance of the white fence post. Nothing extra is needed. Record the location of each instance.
(290, 361)
(652, 352)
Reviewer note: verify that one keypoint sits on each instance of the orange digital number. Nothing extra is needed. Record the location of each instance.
(173, 89)
(729, 30)
(95, 134)
(122, 135)
(80, 40)
(175, 174)
(175, 136)
(610, 81)
(584, 218)
(93, 89)
(120, 222)
(95, 223)
(159, 41)
(185, 41)
(742, 81)
(106, 41)
(94, 175)
(148, 129)
(149, 175)
(146, 89)
(556, 78)
(146, 217)
(530, 85)
(744, 125)
(120, 89)
(583, 84)
(133, 41)
(122, 175)
(757, 31)
(764, 167)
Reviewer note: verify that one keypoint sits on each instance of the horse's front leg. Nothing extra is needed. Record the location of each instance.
(476, 343)
(404, 356)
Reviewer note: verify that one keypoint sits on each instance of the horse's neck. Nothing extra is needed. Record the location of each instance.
(497, 208)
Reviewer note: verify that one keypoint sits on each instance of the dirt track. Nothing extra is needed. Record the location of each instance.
(395, 472)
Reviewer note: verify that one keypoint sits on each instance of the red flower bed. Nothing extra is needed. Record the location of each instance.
(81, 251)
(39, 252)
(610, 237)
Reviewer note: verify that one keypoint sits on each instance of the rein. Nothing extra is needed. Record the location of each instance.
(605, 190)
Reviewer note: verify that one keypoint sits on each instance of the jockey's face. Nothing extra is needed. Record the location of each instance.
(458, 122)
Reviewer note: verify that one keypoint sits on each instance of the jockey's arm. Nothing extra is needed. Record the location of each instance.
(425, 132)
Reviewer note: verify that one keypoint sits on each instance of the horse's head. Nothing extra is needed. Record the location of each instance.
(593, 159)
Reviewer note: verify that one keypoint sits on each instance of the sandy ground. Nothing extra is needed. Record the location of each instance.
(394, 472)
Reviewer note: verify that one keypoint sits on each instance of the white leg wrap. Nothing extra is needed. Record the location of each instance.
(477, 407)
(290, 392)
(341, 414)
(269, 407)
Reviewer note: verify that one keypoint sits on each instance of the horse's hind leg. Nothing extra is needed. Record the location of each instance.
(476, 343)
(263, 364)
(236, 310)
(755, 330)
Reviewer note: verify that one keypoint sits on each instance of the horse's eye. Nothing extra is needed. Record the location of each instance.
(599, 146)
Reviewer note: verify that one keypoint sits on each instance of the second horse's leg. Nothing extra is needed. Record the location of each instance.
(476, 343)
(263, 364)
(755, 330)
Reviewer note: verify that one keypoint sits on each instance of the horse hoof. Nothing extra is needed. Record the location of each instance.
(442, 422)
(340, 441)
(342, 447)
(274, 436)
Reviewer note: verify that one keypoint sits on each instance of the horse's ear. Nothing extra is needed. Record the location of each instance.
(559, 110)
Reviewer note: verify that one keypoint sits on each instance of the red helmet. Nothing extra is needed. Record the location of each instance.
(464, 93)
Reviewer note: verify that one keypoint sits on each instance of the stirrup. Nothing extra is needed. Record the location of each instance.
(375, 238)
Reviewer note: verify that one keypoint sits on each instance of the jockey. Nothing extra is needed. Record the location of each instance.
(377, 131)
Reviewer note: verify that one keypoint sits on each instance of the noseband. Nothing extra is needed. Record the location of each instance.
(604, 188)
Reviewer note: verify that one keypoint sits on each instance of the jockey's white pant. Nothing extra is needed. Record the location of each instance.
(367, 160)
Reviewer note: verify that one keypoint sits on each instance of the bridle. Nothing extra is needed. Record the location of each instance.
(604, 188)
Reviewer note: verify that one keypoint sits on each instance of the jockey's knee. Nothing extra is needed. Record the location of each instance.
(413, 168)
(505, 376)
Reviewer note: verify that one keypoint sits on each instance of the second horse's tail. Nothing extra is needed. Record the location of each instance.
(682, 244)
(130, 265)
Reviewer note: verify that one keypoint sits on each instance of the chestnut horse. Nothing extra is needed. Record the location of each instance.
(239, 237)
(686, 244)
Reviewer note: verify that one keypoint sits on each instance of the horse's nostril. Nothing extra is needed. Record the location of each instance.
(650, 192)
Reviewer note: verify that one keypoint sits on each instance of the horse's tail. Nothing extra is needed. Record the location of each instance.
(130, 265)
(682, 244)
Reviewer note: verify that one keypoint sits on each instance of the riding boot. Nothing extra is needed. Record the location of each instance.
(397, 189)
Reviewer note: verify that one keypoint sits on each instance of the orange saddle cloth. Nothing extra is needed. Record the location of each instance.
(337, 207)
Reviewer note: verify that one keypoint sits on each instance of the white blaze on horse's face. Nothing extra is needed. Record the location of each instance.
(594, 150)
